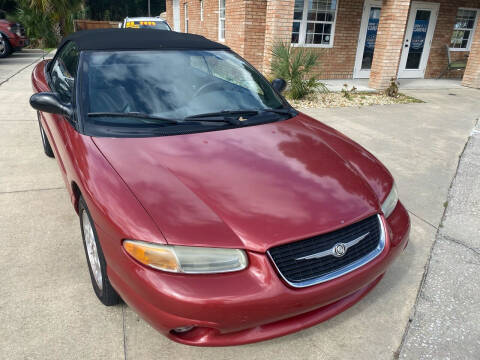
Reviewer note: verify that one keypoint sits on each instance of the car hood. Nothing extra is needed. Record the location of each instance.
(252, 187)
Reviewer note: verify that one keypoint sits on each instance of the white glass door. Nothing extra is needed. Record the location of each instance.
(418, 39)
(367, 38)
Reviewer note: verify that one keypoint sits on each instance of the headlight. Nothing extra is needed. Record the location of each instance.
(390, 202)
(186, 259)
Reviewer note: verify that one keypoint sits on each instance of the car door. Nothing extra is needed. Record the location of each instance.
(61, 78)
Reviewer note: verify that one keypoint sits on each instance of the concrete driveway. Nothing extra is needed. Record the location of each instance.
(48, 309)
(17, 61)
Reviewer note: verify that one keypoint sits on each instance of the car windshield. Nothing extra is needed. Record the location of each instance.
(151, 86)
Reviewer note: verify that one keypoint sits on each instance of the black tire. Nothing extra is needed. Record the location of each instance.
(46, 144)
(106, 293)
(5, 47)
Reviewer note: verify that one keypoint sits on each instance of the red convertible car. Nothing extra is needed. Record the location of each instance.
(218, 212)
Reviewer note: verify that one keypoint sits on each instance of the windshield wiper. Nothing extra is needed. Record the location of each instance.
(162, 119)
(286, 111)
(222, 114)
(235, 116)
(134, 115)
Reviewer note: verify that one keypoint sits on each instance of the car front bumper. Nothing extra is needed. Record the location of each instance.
(246, 306)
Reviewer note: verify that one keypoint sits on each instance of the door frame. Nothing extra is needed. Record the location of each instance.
(176, 15)
(420, 72)
(358, 73)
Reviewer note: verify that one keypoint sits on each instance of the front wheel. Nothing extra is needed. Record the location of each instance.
(46, 144)
(95, 259)
(5, 48)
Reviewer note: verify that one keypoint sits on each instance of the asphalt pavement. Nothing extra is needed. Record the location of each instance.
(426, 306)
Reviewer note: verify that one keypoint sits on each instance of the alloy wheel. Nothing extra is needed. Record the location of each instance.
(3, 47)
(92, 250)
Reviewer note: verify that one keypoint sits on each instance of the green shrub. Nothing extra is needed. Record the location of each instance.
(293, 64)
(347, 93)
(392, 90)
(39, 27)
(47, 21)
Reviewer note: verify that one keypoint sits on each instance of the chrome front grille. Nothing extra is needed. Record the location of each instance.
(318, 259)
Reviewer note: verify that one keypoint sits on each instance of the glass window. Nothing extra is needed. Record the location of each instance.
(201, 10)
(221, 20)
(370, 38)
(64, 71)
(463, 29)
(419, 35)
(314, 22)
(168, 84)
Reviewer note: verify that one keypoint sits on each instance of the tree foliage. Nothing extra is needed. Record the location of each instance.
(39, 28)
(47, 21)
(118, 10)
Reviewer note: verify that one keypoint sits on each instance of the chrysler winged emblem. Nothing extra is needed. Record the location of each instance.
(338, 250)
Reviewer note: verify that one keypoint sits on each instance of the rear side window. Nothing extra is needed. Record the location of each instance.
(64, 71)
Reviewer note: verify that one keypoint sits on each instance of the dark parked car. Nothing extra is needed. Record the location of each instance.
(12, 37)
(206, 202)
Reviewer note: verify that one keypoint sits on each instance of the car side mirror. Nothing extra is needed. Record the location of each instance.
(279, 85)
(50, 103)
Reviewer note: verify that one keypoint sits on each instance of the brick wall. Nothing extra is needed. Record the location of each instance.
(208, 27)
(438, 59)
(389, 43)
(278, 27)
(472, 73)
(255, 18)
(169, 11)
(235, 26)
(338, 62)
(244, 27)
(266, 22)
(252, 26)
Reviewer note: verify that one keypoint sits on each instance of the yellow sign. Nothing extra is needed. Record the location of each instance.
(138, 24)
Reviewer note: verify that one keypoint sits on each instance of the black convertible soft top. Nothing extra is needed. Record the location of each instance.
(139, 39)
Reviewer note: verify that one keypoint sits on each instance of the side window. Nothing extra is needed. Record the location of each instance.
(64, 71)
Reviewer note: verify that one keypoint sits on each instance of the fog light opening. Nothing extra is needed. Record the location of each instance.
(182, 329)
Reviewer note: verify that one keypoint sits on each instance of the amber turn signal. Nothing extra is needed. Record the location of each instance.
(152, 255)
(187, 259)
